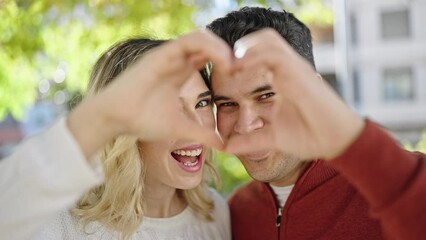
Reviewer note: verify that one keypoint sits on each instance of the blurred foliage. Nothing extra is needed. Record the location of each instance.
(40, 40)
(315, 12)
(232, 172)
(420, 146)
(310, 12)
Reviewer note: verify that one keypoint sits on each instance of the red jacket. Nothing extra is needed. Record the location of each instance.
(324, 205)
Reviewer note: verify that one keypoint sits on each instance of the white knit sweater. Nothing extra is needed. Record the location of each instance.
(186, 226)
(44, 175)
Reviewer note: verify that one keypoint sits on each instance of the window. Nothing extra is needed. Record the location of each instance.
(395, 24)
(398, 85)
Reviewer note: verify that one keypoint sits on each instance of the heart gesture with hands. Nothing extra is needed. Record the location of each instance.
(309, 119)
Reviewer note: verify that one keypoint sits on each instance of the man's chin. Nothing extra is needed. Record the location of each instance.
(255, 156)
(259, 176)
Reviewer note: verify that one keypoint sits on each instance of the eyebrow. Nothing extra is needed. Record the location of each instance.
(220, 98)
(265, 87)
(204, 94)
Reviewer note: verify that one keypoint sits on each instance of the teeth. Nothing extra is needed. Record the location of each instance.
(191, 153)
(190, 164)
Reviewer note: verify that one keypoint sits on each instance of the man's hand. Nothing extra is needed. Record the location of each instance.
(309, 120)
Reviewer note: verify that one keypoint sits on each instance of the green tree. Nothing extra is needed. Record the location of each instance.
(50, 40)
(311, 12)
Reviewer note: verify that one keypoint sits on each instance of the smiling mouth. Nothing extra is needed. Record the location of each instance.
(188, 158)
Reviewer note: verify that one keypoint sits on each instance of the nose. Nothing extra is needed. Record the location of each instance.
(248, 120)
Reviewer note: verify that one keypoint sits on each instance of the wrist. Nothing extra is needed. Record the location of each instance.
(353, 128)
(91, 125)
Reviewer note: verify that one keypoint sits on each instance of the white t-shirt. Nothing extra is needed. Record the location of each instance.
(282, 193)
(186, 226)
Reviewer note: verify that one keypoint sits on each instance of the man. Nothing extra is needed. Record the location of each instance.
(294, 196)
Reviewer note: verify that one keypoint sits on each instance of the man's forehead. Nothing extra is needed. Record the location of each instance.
(241, 82)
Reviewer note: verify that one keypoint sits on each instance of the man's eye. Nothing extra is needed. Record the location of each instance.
(266, 96)
(204, 103)
(227, 104)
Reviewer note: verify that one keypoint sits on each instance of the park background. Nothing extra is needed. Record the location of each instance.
(372, 52)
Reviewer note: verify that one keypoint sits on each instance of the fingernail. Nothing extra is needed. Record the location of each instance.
(239, 49)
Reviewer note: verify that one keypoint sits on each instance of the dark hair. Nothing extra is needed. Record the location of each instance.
(239, 23)
(118, 58)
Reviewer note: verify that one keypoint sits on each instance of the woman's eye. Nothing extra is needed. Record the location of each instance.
(203, 103)
(266, 96)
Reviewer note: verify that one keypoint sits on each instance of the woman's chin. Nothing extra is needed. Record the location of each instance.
(189, 182)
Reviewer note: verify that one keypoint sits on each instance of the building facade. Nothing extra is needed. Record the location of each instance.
(379, 64)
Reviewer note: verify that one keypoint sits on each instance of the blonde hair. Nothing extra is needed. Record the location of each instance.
(119, 203)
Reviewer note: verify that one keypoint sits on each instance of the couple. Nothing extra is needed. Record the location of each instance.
(269, 102)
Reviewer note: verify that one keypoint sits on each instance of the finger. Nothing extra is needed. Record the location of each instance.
(201, 134)
(261, 55)
(198, 60)
(178, 75)
(265, 47)
(210, 46)
(189, 53)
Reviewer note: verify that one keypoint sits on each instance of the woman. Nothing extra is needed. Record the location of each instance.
(152, 190)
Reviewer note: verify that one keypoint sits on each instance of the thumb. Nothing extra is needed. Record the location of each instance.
(204, 135)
